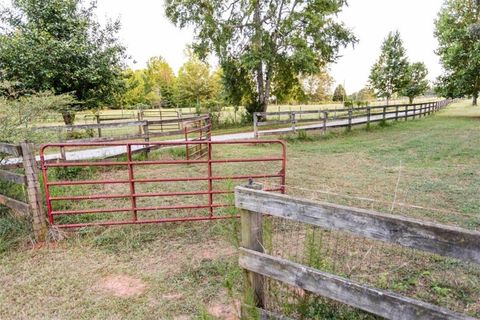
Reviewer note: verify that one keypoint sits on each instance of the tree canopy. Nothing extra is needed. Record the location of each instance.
(318, 86)
(457, 29)
(58, 46)
(263, 45)
(161, 79)
(389, 73)
(339, 94)
(196, 85)
(416, 83)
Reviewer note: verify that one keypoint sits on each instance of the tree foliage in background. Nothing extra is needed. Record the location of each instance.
(318, 86)
(363, 96)
(161, 81)
(58, 46)
(263, 45)
(416, 82)
(196, 86)
(339, 94)
(136, 92)
(18, 115)
(457, 29)
(389, 74)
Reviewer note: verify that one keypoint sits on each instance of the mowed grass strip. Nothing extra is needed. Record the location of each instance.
(183, 271)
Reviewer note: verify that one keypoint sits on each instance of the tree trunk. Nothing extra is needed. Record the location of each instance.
(475, 98)
(257, 46)
(68, 117)
(410, 99)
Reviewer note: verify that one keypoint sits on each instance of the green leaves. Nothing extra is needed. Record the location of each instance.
(58, 46)
(263, 45)
(416, 84)
(389, 74)
(456, 29)
(339, 94)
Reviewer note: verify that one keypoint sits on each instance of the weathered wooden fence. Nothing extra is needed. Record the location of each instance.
(33, 207)
(430, 237)
(145, 129)
(335, 118)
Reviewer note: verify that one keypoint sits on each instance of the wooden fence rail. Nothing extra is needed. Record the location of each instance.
(147, 129)
(436, 238)
(335, 118)
(33, 207)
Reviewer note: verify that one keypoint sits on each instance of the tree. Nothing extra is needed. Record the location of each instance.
(58, 46)
(416, 82)
(389, 74)
(161, 80)
(262, 45)
(17, 115)
(195, 86)
(317, 86)
(136, 91)
(457, 29)
(339, 94)
(365, 94)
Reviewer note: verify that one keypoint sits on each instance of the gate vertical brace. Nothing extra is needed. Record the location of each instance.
(210, 181)
(131, 178)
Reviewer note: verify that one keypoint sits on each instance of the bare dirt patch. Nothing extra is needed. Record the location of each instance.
(122, 286)
(225, 311)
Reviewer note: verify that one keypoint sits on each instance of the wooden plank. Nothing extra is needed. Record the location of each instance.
(440, 239)
(15, 205)
(380, 302)
(94, 126)
(12, 177)
(10, 149)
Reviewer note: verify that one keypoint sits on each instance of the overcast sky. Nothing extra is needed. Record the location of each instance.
(146, 32)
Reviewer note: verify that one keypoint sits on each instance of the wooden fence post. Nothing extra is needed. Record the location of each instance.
(325, 116)
(146, 133)
(349, 119)
(140, 118)
(396, 113)
(294, 121)
(252, 238)
(414, 111)
(406, 112)
(255, 125)
(369, 114)
(34, 193)
(97, 116)
(384, 113)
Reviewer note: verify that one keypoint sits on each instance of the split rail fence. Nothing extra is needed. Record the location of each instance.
(33, 207)
(430, 237)
(336, 118)
(146, 129)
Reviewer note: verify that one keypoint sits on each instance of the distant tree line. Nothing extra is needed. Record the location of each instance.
(268, 51)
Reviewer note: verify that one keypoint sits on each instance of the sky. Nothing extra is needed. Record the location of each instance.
(147, 32)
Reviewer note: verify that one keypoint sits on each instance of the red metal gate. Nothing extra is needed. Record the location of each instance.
(202, 131)
(139, 175)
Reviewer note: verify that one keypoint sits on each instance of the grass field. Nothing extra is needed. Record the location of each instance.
(188, 271)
